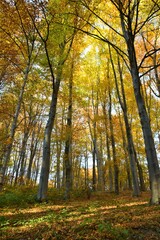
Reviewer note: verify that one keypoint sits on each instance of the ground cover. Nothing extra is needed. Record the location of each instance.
(104, 216)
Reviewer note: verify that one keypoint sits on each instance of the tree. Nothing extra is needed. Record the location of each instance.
(130, 24)
(68, 141)
(123, 104)
(23, 37)
(51, 16)
(129, 33)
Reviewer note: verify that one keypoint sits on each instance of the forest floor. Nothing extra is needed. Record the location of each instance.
(103, 217)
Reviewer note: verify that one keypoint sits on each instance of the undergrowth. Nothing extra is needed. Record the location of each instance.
(103, 217)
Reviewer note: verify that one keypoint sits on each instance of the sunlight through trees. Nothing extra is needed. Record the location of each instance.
(79, 94)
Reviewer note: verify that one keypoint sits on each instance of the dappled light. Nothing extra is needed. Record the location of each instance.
(79, 120)
(113, 218)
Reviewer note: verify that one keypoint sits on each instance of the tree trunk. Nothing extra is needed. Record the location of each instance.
(44, 176)
(13, 127)
(33, 148)
(58, 170)
(17, 171)
(125, 147)
(94, 178)
(136, 189)
(23, 153)
(86, 170)
(68, 143)
(153, 166)
(59, 142)
(36, 163)
(115, 164)
(122, 101)
(110, 174)
(141, 178)
(100, 168)
(93, 147)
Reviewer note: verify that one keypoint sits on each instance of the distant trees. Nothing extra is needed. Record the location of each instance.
(21, 34)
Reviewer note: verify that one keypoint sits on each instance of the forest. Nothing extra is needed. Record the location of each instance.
(80, 88)
(79, 102)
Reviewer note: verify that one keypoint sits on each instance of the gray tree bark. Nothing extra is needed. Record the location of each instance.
(153, 166)
(68, 143)
(44, 176)
(115, 164)
(123, 104)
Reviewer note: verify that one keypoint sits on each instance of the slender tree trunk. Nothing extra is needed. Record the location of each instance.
(68, 144)
(44, 176)
(123, 104)
(100, 175)
(136, 189)
(141, 178)
(153, 166)
(58, 170)
(93, 147)
(100, 169)
(23, 153)
(109, 164)
(115, 164)
(64, 174)
(17, 171)
(140, 173)
(78, 172)
(15, 163)
(36, 163)
(131, 149)
(59, 144)
(94, 177)
(95, 150)
(126, 159)
(86, 170)
(33, 148)
(13, 127)
(110, 171)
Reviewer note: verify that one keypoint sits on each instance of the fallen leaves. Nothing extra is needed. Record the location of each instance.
(108, 217)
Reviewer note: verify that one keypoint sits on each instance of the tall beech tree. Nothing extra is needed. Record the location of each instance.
(68, 141)
(130, 29)
(132, 18)
(49, 30)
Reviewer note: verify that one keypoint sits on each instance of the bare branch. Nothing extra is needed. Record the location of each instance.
(152, 68)
(103, 21)
(148, 54)
(150, 16)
